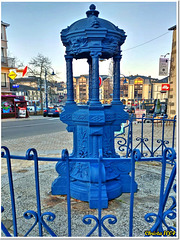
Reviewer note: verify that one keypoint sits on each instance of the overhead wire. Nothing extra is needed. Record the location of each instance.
(145, 42)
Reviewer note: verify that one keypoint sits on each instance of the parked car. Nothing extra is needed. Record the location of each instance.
(130, 109)
(52, 112)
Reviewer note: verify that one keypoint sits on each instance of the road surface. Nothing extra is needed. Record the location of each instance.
(13, 129)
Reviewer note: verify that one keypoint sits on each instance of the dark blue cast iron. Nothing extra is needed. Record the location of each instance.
(93, 125)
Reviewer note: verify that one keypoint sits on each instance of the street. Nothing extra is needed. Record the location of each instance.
(32, 126)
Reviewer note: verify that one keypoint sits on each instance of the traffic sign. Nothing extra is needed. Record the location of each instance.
(15, 85)
(12, 75)
(100, 81)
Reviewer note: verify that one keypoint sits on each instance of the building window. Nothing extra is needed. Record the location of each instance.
(138, 91)
(3, 80)
(3, 33)
(159, 88)
(2, 52)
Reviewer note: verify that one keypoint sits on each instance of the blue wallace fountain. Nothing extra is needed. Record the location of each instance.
(93, 125)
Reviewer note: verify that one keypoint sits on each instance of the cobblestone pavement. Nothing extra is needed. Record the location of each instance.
(53, 144)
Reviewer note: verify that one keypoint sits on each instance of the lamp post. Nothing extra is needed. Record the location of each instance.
(123, 84)
(46, 87)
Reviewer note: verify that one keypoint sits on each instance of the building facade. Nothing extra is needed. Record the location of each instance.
(81, 88)
(106, 89)
(30, 88)
(6, 62)
(132, 89)
(172, 77)
(160, 89)
(136, 88)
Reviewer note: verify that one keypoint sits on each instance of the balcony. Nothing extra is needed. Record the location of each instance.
(5, 86)
(8, 62)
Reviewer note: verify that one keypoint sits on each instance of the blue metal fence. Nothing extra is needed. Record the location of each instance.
(148, 146)
(160, 227)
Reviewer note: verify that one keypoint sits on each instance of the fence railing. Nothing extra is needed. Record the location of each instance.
(159, 227)
(158, 134)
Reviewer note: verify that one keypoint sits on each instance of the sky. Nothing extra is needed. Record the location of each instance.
(35, 28)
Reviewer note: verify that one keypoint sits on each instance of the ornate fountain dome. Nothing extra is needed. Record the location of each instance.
(92, 34)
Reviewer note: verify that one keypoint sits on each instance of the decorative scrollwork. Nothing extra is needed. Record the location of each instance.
(171, 215)
(159, 141)
(174, 202)
(50, 218)
(111, 220)
(28, 215)
(76, 44)
(122, 143)
(138, 139)
(162, 141)
(136, 154)
(65, 154)
(142, 139)
(31, 154)
(87, 220)
(148, 217)
(5, 152)
(2, 154)
(170, 154)
(83, 154)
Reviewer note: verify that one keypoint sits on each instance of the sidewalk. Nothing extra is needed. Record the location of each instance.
(20, 119)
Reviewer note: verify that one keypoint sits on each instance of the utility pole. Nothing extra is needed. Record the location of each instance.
(46, 90)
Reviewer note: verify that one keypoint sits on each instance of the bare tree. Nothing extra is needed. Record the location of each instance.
(111, 68)
(18, 62)
(38, 66)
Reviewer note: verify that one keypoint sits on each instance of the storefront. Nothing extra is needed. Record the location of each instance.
(13, 106)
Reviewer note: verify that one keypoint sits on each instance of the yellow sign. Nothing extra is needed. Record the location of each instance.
(12, 75)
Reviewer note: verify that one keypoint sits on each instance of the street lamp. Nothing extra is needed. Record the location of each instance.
(165, 55)
(46, 88)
